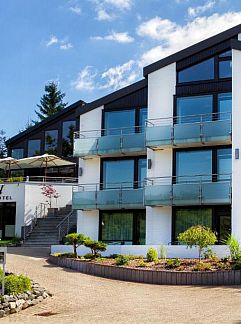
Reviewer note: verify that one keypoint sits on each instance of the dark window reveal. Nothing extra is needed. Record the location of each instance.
(17, 153)
(119, 121)
(51, 141)
(34, 147)
(68, 137)
(198, 72)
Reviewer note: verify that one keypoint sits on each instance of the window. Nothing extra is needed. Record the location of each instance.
(189, 109)
(68, 137)
(193, 165)
(187, 217)
(218, 218)
(198, 72)
(225, 65)
(142, 118)
(224, 163)
(17, 153)
(51, 141)
(123, 227)
(119, 121)
(125, 173)
(34, 147)
(118, 173)
(225, 105)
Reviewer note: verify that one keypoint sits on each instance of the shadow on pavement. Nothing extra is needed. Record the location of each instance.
(35, 252)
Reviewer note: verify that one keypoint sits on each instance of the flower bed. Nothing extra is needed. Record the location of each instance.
(155, 272)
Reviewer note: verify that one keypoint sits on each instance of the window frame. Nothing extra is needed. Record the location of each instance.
(34, 139)
(17, 148)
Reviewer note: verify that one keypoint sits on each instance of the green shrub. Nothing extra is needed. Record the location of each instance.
(88, 256)
(173, 263)
(15, 179)
(122, 260)
(95, 246)
(65, 255)
(152, 255)
(202, 266)
(163, 252)
(17, 284)
(142, 264)
(199, 236)
(16, 240)
(76, 240)
(234, 247)
(236, 265)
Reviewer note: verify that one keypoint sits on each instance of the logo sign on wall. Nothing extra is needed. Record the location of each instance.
(2, 196)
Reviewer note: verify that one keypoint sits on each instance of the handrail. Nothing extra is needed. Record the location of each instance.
(64, 226)
(40, 179)
(109, 186)
(189, 179)
(40, 212)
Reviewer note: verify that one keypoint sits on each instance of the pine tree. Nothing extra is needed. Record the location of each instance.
(51, 102)
(3, 148)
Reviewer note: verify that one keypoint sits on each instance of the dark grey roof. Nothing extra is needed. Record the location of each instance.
(46, 121)
(192, 50)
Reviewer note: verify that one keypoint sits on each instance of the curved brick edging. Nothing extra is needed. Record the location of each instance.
(208, 278)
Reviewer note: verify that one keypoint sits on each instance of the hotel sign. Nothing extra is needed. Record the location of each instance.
(4, 197)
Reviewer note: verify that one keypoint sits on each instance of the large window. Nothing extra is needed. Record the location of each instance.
(124, 121)
(224, 105)
(218, 218)
(189, 109)
(123, 227)
(34, 147)
(217, 67)
(51, 141)
(17, 153)
(123, 173)
(68, 137)
(198, 72)
(203, 165)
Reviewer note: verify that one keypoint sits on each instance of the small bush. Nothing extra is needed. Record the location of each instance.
(16, 240)
(142, 264)
(113, 256)
(95, 246)
(173, 263)
(236, 265)
(234, 247)
(163, 252)
(134, 257)
(89, 256)
(122, 260)
(17, 284)
(202, 266)
(152, 255)
(65, 255)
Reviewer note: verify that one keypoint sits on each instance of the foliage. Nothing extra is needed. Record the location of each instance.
(64, 255)
(122, 260)
(15, 179)
(142, 264)
(95, 246)
(234, 247)
(173, 263)
(237, 265)
(17, 284)
(199, 236)
(152, 255)
(202, 266)
(209, 254)
(88, 256)
(3, 148)
(50, 192)
(76, 240)
(163, 252)
(51, 102)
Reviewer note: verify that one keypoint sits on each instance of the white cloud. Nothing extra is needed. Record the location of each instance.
(76, 9)
(177, 37)
(119, 76)
(53, 40)
(195, 11)
(102, 15)
(120, 4)
(116, 37)
(86, 79)
(63, 44)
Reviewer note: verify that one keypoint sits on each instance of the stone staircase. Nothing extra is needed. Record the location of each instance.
(45, 232)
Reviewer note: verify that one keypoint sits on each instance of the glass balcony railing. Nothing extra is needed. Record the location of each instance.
(184, 191)
(109, 142)
(115, 196)
(205, 129)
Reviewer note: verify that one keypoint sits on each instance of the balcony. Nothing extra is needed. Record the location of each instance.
(111, 142)
(188, 191)
(192, 130)
(116, 196)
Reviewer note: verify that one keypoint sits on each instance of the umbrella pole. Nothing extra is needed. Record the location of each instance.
(45, 171)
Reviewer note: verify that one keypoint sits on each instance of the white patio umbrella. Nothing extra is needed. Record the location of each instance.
(43, 161)
(8, 164)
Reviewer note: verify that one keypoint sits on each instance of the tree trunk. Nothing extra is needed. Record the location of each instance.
(75, 251)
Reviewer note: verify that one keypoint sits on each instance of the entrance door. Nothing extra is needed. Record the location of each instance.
(223, 220)
(7, 220)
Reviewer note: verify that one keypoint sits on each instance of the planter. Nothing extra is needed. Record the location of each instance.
(207, 278)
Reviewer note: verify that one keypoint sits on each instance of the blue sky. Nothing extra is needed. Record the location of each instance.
(92, 47)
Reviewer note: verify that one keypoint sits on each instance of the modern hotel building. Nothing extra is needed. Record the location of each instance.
(163, 154)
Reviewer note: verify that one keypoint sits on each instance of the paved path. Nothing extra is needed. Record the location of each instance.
(80, 298)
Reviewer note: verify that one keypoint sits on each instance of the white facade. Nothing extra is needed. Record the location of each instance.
(28, 197)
